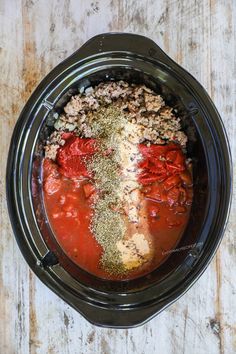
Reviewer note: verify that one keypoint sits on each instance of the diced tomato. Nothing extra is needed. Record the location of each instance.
(52, 184)
(160, 160)
(68, 207)
(147, 178)
(163, 167)
(186, 178)
(144, 163)
(173, 169)
(173, 196)
(176, 165)
(172, 181)
(157, 166)
(171, 156)
(72, 196)
(89, 189)
(157, 193)
(180, 160)
(156, 150)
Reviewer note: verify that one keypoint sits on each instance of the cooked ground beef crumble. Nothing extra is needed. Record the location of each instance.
(155, 122)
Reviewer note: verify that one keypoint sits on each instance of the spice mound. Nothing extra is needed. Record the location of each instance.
(116, 170)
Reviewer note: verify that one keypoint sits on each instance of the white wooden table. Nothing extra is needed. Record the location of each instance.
(35, 35)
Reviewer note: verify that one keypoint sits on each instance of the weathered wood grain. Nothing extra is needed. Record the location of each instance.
(34, 37)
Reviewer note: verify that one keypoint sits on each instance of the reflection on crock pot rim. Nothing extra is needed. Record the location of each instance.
(183, 248)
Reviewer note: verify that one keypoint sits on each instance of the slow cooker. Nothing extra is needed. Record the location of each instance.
(134, 58)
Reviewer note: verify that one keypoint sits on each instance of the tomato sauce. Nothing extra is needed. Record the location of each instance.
(69, 212)
(69, 195)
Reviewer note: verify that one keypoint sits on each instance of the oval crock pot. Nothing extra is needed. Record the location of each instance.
(120, 303)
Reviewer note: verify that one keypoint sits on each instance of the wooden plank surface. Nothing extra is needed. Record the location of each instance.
(34, 37)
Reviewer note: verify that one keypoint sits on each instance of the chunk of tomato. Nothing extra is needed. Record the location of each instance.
(52, 184)
(89, 189)
(171, 182)
(173, 196)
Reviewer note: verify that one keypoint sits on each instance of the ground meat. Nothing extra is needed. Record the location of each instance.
(53, 144)
(109, 91)
(80, 103)
(153, 103)
(155, 121)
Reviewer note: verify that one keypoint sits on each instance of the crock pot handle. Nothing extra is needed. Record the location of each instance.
(121, 42)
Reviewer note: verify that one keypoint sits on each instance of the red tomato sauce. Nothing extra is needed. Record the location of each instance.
(69, 194)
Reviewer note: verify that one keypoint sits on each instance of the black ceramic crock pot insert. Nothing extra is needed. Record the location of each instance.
(115, 56)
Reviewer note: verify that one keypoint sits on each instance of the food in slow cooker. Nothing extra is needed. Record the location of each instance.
(117, 183)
